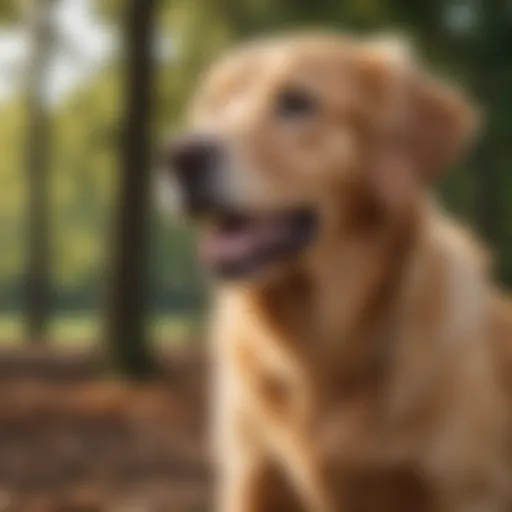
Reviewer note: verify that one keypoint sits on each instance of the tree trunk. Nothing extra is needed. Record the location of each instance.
(38, 294)
(126, 315)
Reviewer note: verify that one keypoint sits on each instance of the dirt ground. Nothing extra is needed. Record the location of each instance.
(71, 441)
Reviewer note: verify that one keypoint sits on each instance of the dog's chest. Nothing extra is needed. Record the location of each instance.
(366, 465)
(348, 430)
(369, 461)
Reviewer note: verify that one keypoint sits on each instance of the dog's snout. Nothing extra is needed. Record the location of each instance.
(193, 156)
(194, 160)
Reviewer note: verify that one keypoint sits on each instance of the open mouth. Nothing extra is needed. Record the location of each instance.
(240, 244)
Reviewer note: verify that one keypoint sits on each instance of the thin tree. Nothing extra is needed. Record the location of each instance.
(38, 141)
(126, 314)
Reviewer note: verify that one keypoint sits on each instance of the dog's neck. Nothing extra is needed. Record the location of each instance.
(345, 315)
(345, 291)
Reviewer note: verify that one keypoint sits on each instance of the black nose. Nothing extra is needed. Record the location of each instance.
(193, 160)
(193, 155)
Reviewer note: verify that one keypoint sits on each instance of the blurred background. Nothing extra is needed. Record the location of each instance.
(101, 301)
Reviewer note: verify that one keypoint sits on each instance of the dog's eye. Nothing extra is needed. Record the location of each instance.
(295, 103)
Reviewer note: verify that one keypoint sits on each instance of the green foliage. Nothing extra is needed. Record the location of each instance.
(83, 178)
(12, 183)
(10, 11)
(85, 138)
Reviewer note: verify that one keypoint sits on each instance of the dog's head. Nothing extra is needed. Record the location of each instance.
(298, 141)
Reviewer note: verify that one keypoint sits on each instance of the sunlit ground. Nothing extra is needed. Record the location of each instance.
(84, 331)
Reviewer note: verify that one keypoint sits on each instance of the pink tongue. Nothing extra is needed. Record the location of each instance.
(220, 245)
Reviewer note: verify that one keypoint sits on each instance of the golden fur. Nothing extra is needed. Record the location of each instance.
(371, 373)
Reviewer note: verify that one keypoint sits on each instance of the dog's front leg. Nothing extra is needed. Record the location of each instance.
(249, 480)
(238, 486)
(237, 457)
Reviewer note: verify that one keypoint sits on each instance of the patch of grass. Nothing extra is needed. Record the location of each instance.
(84, 330)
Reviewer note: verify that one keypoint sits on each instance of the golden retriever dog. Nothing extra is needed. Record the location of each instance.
(361, 353)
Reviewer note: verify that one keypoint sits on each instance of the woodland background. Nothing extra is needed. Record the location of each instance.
(63, 138)
(95, 284)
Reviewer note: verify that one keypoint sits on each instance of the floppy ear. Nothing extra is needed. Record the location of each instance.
(418, 126)
(427, 124)
(440, 125)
